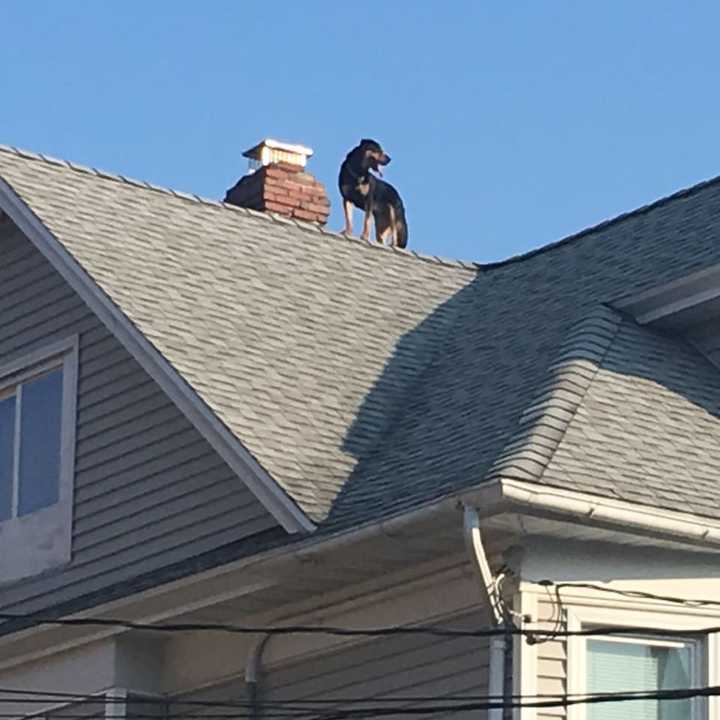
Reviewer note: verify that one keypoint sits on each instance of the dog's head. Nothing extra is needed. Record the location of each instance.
(373, 156)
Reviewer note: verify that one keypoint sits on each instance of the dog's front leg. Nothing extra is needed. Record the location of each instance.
(368, 214)
(366, 226)
(348, 207)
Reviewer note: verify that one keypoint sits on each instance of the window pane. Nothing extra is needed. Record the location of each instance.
(40, 415)
(618, 666)
(7, 433)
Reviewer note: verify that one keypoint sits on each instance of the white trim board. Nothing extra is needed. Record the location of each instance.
(673, 299)
(225, 443)
(525, 655)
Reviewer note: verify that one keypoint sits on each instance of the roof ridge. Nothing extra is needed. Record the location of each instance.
(544, 422)
(642, 210)
(305, 225)
(266, 216)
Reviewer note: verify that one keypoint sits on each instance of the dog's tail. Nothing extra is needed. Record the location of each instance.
(401, 228)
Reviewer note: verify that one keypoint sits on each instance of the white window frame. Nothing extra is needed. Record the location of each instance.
(42, 539)
(704, 657)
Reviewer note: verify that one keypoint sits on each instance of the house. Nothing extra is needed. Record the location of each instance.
(215, 416)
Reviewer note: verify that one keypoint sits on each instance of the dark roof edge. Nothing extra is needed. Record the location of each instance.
(642, 210)
(264, 541)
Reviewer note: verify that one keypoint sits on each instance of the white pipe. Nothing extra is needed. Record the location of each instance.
(252, 667)
(496, 674)
(479, 561)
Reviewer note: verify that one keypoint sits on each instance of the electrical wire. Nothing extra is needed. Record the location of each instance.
(310, 709)
(437, 631)
(637, 594)
(380, 710)
(252, 630)
(558, 587)
(442, 706)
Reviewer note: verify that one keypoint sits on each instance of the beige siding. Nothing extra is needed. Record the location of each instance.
(149, 490)
(551, 662)
(380, 669)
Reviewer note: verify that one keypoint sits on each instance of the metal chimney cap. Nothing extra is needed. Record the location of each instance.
(270, 151)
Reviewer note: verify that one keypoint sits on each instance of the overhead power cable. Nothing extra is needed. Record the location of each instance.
(433, 630)
(437, 705)
(635, 594)
(309, 709)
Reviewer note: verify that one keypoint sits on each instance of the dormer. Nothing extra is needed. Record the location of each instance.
(689, 307)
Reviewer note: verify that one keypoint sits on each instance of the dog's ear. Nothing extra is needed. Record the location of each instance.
(366, 141)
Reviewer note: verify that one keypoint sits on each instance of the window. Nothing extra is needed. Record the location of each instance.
(37, 453)
(30, 433)
(617, 664)
(646, 661)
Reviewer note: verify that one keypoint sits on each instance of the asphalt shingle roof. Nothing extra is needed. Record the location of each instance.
(647, 430)
(367, 380)
(282, 329)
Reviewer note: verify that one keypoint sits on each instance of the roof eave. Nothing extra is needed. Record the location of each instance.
(622, 516)
(287, 513)
(679, 304)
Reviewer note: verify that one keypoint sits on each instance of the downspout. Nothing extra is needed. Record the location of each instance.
(252, 671)
(498, 644)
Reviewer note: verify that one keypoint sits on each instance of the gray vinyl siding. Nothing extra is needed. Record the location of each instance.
(149, 490)
(379, 669)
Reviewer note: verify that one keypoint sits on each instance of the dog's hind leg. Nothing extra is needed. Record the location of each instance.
(393, 225)
(348, 207)
(401, 237)
(382, 229)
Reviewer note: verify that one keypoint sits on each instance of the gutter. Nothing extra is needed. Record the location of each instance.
(511, 496)
(610, 513)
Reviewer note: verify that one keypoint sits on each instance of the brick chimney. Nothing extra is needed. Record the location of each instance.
(277, 182)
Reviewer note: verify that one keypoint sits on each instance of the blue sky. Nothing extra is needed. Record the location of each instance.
(510, 125)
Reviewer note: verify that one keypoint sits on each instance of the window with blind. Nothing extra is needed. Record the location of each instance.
(630, 664)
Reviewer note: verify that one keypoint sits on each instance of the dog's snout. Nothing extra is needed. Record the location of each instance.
(386, 159)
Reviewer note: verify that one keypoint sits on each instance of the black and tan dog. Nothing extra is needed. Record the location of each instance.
(379, 199)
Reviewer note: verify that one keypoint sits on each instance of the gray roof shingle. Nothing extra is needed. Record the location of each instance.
(282, 329)
(648, 428)
(367, 381)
